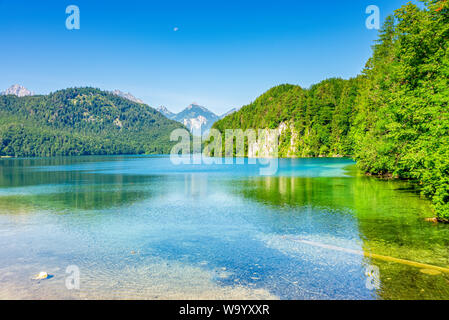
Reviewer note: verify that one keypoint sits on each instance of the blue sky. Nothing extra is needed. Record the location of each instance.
(223, 55)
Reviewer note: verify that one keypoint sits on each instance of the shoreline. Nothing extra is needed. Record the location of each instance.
(383, 176)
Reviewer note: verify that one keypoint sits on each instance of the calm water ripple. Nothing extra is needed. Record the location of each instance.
(139, 227)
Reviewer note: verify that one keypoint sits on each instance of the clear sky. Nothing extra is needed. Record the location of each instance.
(220, 54)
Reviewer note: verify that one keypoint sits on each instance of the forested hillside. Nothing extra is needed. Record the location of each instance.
(393, 118)
(319, 118)
(81, 121)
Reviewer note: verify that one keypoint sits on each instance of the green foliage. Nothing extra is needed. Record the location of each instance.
(393, 119)
(268, 111)
(404, 114)
(81, 121)
(319, 116)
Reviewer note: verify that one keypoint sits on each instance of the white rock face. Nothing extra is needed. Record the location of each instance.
(118, 123)
(128, 96)
(283, 127)
(267, 145)
(195, 124)
(18, 90)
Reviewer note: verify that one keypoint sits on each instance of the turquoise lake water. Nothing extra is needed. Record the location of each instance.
(142, 228)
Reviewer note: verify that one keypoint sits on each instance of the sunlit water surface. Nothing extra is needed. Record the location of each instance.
(140, 227)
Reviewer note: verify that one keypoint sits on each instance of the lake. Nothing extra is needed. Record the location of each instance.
(139, 227)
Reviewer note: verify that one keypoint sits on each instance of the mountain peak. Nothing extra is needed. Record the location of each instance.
(197, 118)
(165, 112)
(229, 113)
(128, 96)
(194, 105)
(18, 90)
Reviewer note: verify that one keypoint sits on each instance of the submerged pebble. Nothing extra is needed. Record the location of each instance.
(41, 276)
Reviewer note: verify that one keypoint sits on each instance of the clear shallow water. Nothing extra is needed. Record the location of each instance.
(139, 227)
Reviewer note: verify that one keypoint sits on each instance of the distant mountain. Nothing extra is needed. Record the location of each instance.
(229, 113)
(17, 90)
(166, 112)
(128, 96)
(197, 119)
(81, 121)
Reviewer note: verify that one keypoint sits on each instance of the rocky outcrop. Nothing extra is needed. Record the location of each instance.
(268, 143)
(128, 96)
(18, 90)
(166, 112)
